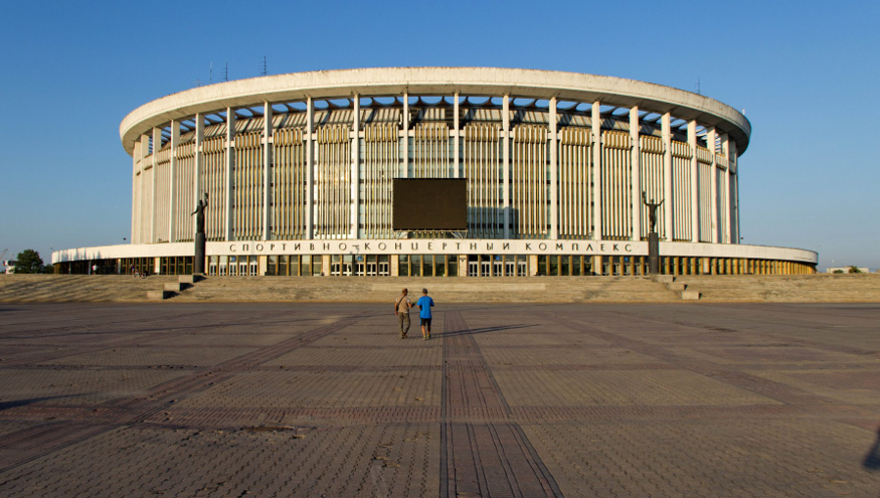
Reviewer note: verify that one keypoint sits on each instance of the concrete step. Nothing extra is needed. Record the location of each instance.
(719, 288)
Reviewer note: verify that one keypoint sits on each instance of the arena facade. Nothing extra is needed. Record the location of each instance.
(298, 170)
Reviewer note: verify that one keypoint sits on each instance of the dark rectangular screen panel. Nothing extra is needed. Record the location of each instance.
(429, 204)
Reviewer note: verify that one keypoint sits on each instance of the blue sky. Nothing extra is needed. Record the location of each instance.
(805, 72)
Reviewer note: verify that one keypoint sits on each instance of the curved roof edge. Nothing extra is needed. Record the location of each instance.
(436, 80)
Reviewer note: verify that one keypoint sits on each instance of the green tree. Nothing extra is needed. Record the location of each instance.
(854, 269)
(28, 261)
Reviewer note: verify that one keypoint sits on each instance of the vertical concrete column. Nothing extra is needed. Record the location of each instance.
(554, 173)
(175, 141)
(732, 168)
(310, 168)
(695, 184)
(505, 170)
(230, 161)
(158, 197)
(135, 198)
(148, 220)
(405, 172)
(143, 216)
(596, 123)
(723, 231)
(636, 173)
(267, 163)
(713, 186)
(666, 133)
(355, 168)
(456, 144)
(200, 159)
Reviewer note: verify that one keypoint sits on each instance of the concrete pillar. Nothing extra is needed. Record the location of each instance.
(732, 236)
(533, 265)
(230, 161)
(267, 163)
(310, 168)
(596, 121)
(395, 265)
(598, 265)
(150, 217)
(175, 140)
(505, 149)
(355, 168)
(456, 144)
(157, 196)
(200, 165)
(695, 185)
(713, 172)
(667, 175)
(405, 164)
(135, 198)
(145, 217)
(554, 173)
(636, 174)
(325, 264)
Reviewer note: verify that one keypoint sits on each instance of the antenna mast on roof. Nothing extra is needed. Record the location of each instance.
(226, 76)
(264, 66)
(698, 87)
(211, 73)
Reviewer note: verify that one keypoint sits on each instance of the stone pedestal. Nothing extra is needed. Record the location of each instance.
(199, 259)
(653, 253)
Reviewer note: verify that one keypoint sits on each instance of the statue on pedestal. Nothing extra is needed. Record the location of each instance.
(199, 254)
(653, 238)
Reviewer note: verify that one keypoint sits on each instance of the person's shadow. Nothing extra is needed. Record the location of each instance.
(872, 459)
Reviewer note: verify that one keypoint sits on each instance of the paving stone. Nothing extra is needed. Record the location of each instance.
(660, 400)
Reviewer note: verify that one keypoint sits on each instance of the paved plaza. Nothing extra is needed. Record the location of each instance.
(272, 400)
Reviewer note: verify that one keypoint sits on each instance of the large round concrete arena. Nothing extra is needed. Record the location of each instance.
(299, 169)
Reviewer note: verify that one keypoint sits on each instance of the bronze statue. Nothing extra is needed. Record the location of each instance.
(652, 211)
(200, 214)
(199, 254)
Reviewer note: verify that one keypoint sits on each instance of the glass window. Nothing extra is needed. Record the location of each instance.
(440, 265)
(542, 265)
(306, 266)
(271, 265)
(452, 266)
(403, 265)
(317, 265)
(564, 265)
(416, 267)
(554, 266)
(428, 265)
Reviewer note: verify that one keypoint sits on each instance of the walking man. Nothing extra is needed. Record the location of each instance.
(425, 304)
(401, 309)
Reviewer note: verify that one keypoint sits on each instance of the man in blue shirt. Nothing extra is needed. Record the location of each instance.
(425, 304)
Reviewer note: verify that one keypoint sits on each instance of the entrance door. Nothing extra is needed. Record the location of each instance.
(509, 269)
(521, 269)
(485, 269)
(233, 269)
(473, 268)
(371, 269)
(255, 269)
(384, 269)
(496, 268)
(242, 268)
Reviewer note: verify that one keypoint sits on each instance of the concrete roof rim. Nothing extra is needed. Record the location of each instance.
(241, 93)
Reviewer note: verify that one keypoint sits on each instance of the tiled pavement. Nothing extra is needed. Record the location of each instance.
(505, 401)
